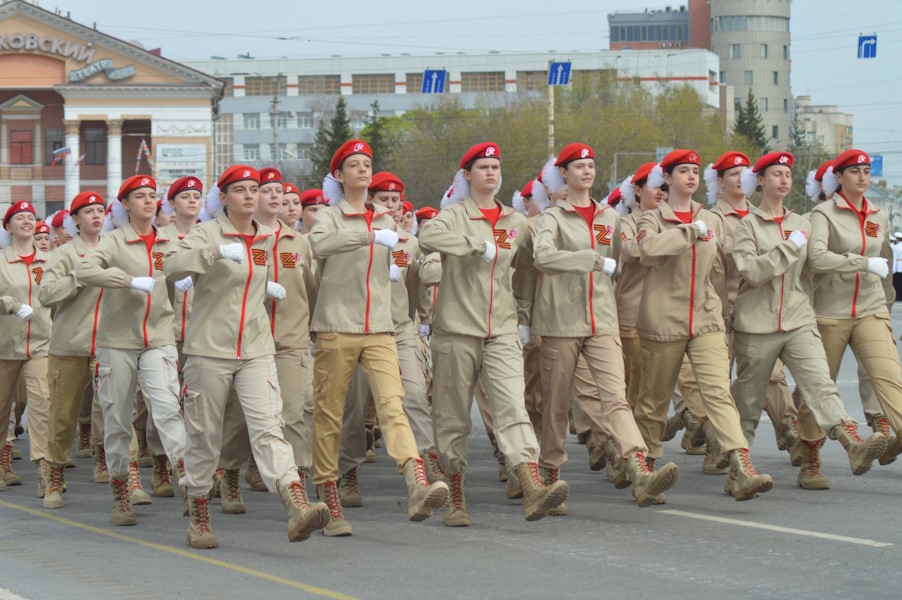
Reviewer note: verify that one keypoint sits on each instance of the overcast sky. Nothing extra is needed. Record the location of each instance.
(824, 42)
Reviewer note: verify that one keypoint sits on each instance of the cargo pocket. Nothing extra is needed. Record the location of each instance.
(194, 413)
(442, 361)
(53, 379)
(104, 383)
(550, 373)
(172, 374)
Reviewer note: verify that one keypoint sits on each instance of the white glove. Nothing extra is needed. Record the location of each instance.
(275, 291)
(798, 238)
(25, 312)
(878, 266)
(490, 251)
(702, 228)
(234, 252)
(525, 333)
(183, 285)
(394, 272)
(143, 284)
(610, 265)
(425, 329)
(385, 237)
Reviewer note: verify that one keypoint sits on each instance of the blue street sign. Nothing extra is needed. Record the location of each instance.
(877, 165)
(867, 46)
(434, 81)
(559, 73)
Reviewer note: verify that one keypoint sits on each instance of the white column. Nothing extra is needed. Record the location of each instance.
(113, 158)
(72, 166)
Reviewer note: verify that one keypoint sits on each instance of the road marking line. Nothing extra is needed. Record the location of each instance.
(791, 530)
(182, 553)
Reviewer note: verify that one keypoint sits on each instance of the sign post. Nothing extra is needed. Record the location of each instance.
(558, 74)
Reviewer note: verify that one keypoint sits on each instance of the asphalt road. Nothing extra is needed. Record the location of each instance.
(788, 543)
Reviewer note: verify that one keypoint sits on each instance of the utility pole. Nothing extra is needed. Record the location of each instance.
(551, 153)
(274, 116)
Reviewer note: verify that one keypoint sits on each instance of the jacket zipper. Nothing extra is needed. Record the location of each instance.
(492, 282)
(96, 319)
(369, 268)
(591, 278)
(28, 333)
(147, 311)
(247, 285)
(692, 294)
(275, 263)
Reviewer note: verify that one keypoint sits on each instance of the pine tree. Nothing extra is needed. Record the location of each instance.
(750, 124)
(376, 134)
(328, 140)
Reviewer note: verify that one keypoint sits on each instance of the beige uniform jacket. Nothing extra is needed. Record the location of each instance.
(181, 301)
(628, 289)
(842, 240)
(479, 298)
(228, 315)
(728, 219)
(431, 271)
(291, 267)
(77, 315)
(681, 298)
(19, 284)
(352, 274)
(131, 319)
(772, 295)
(574, 298)
(405, 292)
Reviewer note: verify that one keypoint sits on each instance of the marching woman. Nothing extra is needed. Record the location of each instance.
(685, 268)
(24, 338)
(731, 205)
(575, 313)
(478, 315)
(311, 202)
(848, 254)
(774, 320)
(135, 335)
(352, 240)
(73, 340)
(291, 205)
(42, 239)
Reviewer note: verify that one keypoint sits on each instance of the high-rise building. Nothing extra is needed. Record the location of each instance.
(824, 126)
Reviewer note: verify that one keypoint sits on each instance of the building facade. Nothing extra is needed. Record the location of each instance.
(305, 90)
(824, 125)
(81, 110)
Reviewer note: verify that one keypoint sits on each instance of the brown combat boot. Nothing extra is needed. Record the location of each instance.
(422, 497)
(538, 499)
(230, 492)
(693, 440)
(101, 472)
(715, 462)
(673, 426)
(649, 485)
(53, 495)
(893, 444)
(434, 470)
(6, 467)
(303, 519)
(122, 510)
(83, 447)
(252, 476)
(337, 526)
(349, 490)
(456, 509)
(200, 534)
(136, 492)
(160, 482)
(552, 476)
(145, 459)
(810, 476)
(744, 483)
(861, 452)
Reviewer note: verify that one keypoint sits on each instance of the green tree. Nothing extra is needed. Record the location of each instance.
(375, 132)
(750, 125)
(807, 157)
(328, 140)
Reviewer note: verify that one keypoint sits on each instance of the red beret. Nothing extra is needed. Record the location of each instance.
(386, 182)
(289, 188)
(526, 192)
(730, 160)
(573, 152)
(642, 172)
(17, 207)
(313, 197)
(347, 149)
(80, 201)
(270, 175)
(819, 174)
(483, 150)
(42, 228)
(615, 197)
(407, 206)
(59, 217)
(185, 183)
(679, 157)
(850, 158)
(773, 158)
(136, 182)
(427, 212)
(237, 173)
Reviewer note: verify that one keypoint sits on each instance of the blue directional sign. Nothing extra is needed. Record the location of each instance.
(867, 46)
(559, 73)
(877, 165)
(434, 81)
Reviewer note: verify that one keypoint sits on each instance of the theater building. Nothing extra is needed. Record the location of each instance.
(81, 110)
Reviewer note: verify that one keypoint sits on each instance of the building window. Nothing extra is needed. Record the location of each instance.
(95, 146)
(487, 81)
(414, 83)
(531, 81)
(319, 85)
(305, 121)
(251, 152)
(775, 133)
(765, 104)
(225, 151)
(264, 86)
(776, 77)
(749, 78)
(229, 88)
(785, 105)
(282, 121)
(21, 147)
(723, 77)
(53, 139)
(737, 104)
(785, 52)
(304, 151)
(735, 51)
(763, 50)
(373, 84)
(251, 120)
(820, 140)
